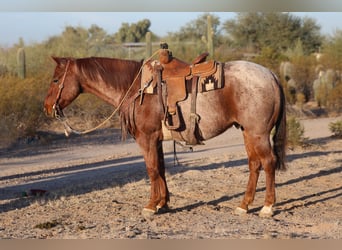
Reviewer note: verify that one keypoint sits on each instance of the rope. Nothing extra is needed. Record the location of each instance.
(68, 129)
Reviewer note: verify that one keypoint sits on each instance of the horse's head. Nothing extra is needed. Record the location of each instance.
(64, 87)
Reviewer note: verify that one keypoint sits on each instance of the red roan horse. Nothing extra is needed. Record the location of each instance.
(251, 98)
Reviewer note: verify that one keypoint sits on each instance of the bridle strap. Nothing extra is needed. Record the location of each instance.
(56, 107)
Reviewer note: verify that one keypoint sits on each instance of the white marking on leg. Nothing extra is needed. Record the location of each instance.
(266, 211)
(240, 211)
(148, 213)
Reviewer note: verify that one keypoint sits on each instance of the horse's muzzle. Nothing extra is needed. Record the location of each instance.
(49, 112)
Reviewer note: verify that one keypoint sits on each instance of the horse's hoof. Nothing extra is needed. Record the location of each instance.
(266, 212)
(162, 210)
(148, 213)
(240, 211)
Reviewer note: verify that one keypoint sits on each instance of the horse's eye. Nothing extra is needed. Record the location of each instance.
(55, 81)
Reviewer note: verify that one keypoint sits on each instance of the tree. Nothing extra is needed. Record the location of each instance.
(332, 51)
(196, 29)
(310, 36)
(81, 42)
(278, 31)
(191, 40)
(245, 30)
(75, 39)
(134, 32)
(97, 38)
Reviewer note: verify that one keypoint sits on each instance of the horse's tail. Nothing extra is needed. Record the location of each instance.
(279, 137)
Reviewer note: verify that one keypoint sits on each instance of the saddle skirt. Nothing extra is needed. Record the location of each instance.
(148, 86)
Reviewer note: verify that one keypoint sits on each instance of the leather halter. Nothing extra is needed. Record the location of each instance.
(57, 110)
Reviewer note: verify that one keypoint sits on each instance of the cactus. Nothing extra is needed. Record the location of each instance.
(148, 44)
(21, 64)
(210, 36)
(208, 40)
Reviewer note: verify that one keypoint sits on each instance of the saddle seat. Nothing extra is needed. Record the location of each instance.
(175, 73)
(173, 67)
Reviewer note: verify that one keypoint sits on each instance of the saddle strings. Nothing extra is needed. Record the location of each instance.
(68, 129)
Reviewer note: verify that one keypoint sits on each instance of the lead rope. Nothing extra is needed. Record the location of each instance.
(68, 129)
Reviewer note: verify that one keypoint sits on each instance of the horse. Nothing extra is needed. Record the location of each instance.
(251, 99)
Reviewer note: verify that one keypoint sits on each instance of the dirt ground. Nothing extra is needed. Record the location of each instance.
(95, 186)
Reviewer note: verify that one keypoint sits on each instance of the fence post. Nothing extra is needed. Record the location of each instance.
(148, 38)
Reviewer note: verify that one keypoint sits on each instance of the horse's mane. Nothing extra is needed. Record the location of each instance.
(110, 70)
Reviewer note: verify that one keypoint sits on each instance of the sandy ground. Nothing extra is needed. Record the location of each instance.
(96, 187)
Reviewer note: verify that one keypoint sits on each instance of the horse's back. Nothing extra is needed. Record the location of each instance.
(249, 75)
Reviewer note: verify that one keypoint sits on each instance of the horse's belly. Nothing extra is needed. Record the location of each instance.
(213, 113)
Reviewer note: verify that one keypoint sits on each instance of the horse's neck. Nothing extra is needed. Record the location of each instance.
(110, 92)
(103, 91)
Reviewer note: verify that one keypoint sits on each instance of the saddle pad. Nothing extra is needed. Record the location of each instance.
(211, 81)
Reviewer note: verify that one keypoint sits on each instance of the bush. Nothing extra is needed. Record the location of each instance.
(21, 107)
(336, 128)
(334, 99)
(300, 100)
(295, 132)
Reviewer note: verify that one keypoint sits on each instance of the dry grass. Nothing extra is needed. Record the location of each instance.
(21, 106)
(21, 109)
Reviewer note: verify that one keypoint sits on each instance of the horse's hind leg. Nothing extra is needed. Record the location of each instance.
(254, 165)
(260, 154)
(268, 162)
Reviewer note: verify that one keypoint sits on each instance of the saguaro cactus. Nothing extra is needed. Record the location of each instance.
(208, 40)
(21, 63)
(210, 36)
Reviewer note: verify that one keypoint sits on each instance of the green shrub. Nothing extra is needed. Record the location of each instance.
(295, 132)
(336, 128)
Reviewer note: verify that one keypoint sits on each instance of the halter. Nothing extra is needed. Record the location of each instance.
(57, 110)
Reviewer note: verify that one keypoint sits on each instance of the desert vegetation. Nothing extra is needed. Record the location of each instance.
(311, 76)
(94, 185)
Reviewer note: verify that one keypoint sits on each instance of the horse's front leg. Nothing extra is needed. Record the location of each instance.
(152, 149)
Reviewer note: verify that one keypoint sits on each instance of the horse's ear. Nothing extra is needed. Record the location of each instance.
(60, 60)
(56, 59)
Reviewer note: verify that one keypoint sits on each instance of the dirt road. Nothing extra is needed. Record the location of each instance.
(96, 187)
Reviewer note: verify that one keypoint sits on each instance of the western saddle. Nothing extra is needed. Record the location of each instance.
(173, 80)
